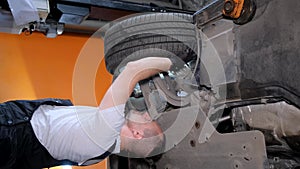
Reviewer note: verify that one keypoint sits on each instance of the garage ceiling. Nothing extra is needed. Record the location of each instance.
(85, 16)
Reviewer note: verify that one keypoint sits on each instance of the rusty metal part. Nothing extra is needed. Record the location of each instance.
(241, 11)
(233, 8)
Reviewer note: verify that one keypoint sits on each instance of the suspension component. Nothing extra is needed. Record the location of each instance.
(240, 11)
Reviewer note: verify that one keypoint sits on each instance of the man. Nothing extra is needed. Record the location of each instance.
(51, 132)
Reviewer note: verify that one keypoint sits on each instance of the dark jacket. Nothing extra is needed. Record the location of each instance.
(19, 147)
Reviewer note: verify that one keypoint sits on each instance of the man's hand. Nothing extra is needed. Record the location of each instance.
(148, 67)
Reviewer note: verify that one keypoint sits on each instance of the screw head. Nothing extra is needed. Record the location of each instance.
(229, 6)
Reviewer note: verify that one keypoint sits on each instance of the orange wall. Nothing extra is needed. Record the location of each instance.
(68, 67)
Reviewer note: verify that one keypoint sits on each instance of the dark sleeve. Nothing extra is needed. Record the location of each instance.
(18, 111)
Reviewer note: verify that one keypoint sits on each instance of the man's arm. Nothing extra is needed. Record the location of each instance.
(135, 71)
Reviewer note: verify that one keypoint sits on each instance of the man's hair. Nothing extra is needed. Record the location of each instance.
(153, 143)
(159, 148)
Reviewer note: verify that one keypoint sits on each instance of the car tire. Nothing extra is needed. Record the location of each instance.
(150, 35)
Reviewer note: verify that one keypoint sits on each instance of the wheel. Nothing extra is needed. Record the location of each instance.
(162, 34)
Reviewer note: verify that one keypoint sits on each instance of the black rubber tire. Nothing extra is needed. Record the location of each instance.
(171, 32)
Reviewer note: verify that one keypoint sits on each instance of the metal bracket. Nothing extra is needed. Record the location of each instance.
(161, 89)
(123, 5)
(51, 30)
(205, 148)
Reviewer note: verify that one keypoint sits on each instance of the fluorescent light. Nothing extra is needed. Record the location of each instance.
(66, 167)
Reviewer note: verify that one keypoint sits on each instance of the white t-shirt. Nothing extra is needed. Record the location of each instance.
(78, 133)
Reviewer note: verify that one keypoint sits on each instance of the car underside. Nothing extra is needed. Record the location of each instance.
(233, 99)
(234, 103)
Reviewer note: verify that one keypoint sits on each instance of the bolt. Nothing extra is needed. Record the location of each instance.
(193, 143)
(197, 125)
(229, 6)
